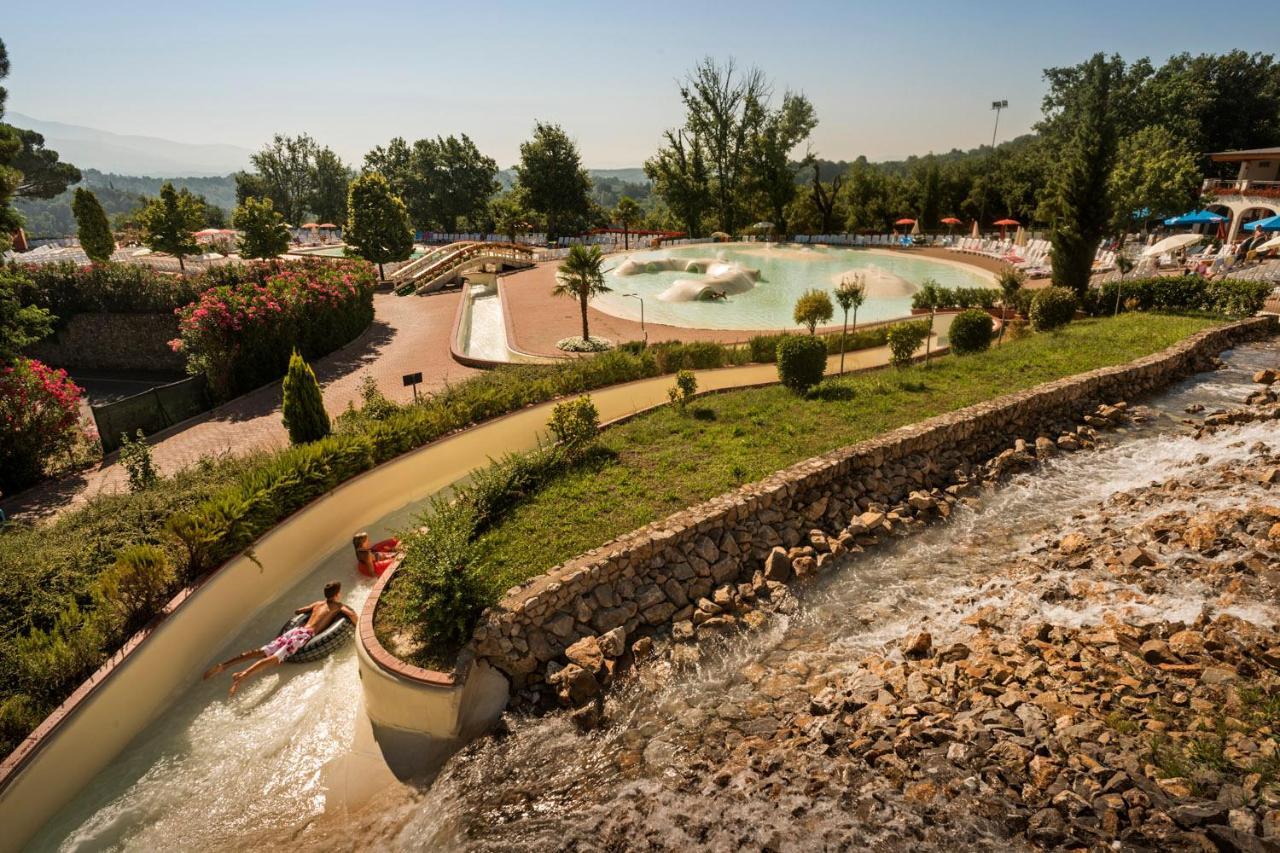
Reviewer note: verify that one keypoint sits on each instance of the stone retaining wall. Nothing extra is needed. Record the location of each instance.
(113, 342)
(648, 579)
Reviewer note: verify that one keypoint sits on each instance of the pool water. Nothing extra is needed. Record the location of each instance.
(785, 273)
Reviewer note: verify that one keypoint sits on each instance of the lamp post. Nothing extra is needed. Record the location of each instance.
(642, 328)
(997, 106)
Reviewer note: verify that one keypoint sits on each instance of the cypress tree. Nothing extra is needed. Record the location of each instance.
(92, 226)
(304, 414)
(1081, 201)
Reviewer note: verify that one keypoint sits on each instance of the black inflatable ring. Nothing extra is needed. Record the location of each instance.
(323, 644)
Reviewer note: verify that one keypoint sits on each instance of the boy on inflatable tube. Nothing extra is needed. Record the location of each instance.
(320, 614)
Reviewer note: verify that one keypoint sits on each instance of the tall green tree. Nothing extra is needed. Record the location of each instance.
(377, 223)
(303, 406)
(581, 276)
(723, 109)
(92, 227)
(444, 182)
(771, 170)
(509, 214)
(330, 180)
(10, 150)
(44, 175)
(680, 177)
(825, 197)
(1155, 176)
(626, 213)
(169, 221)
(286, 167)
(20, 325)
(555, 184)
(262, 231)
(1081, 200)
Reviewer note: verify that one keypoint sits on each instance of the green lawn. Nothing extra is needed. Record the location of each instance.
(664, 461)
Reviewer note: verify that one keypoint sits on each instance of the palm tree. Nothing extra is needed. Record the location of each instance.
(580, 276)
(626, 212)
(851, 293)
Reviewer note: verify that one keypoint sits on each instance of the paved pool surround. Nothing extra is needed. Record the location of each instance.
(646, 581)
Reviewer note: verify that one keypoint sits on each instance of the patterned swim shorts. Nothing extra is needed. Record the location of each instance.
(288, 643)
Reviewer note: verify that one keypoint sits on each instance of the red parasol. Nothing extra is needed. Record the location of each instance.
(949, 220)
(1005, 223)
(905, 221)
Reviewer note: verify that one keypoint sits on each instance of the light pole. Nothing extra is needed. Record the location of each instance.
(642, 328)
(997, 106)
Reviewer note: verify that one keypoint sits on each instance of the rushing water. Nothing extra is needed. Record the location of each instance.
(785, 273)
(219, 773)
(650, 777)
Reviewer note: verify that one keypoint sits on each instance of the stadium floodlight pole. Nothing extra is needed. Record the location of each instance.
(997, 106)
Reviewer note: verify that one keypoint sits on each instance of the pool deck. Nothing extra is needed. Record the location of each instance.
(537, 321)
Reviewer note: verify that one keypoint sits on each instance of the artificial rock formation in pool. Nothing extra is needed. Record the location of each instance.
(721, 278)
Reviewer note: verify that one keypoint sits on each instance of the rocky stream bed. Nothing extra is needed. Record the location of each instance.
(1073, 647)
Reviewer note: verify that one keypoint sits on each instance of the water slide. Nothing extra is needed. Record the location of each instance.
(293, 751)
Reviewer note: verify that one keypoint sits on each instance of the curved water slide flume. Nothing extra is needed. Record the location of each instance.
(156, 755)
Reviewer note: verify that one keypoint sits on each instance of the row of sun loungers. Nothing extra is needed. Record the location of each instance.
(853, 239)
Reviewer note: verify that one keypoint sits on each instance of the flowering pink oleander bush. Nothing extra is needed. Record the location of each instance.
(240, 334)
(39, 416)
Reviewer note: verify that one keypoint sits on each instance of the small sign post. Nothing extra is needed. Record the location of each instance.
(412, 380)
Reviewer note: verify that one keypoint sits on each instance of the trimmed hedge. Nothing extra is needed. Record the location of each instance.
(1052, 308)
(971, 331)
(802, 359)
(1181, 294)
(957, 297)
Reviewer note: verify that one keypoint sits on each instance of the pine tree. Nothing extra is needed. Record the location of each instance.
(377, 222)
(92, 226)
(263, 234)
(169, 221)
(304, 414)
(1081, 202)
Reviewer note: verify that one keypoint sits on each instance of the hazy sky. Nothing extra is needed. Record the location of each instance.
(887, 79)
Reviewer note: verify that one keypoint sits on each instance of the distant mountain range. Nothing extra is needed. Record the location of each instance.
(122, 154)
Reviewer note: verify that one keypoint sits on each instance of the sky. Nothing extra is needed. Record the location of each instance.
(887, 79)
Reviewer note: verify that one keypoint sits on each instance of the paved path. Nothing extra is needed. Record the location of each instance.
(409, 334)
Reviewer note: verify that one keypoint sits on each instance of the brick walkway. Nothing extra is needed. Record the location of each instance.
(409, 334)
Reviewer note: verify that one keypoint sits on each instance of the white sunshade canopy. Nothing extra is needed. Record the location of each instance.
(1273, 243)
(1172, 244)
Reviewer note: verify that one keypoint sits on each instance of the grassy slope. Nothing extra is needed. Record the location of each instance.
(663, 462)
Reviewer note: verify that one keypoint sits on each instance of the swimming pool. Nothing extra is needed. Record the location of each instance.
(674, 283)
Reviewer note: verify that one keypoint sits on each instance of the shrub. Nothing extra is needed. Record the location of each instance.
(135, 456)
(242, 335)
(1052, 308)
(39, 417)
(577, 343)
(764, 348)
(303, 406)
(904, 340)
(434, 585)
(575, 423)
(684, 389)
(138, 585)
(971, 331)
(813, 307)
(1175, 294)
(802, 359)
(674, 356)
(946, 298)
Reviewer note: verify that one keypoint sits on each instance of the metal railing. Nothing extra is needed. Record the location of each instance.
(1237, 187)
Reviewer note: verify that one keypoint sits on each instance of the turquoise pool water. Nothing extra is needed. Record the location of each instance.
(785, 273)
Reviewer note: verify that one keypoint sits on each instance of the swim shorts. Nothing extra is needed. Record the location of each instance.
(288, 643)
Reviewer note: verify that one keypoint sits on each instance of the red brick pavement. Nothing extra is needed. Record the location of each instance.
(408, 335)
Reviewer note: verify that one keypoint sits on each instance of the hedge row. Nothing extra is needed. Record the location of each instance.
(1179, 294)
